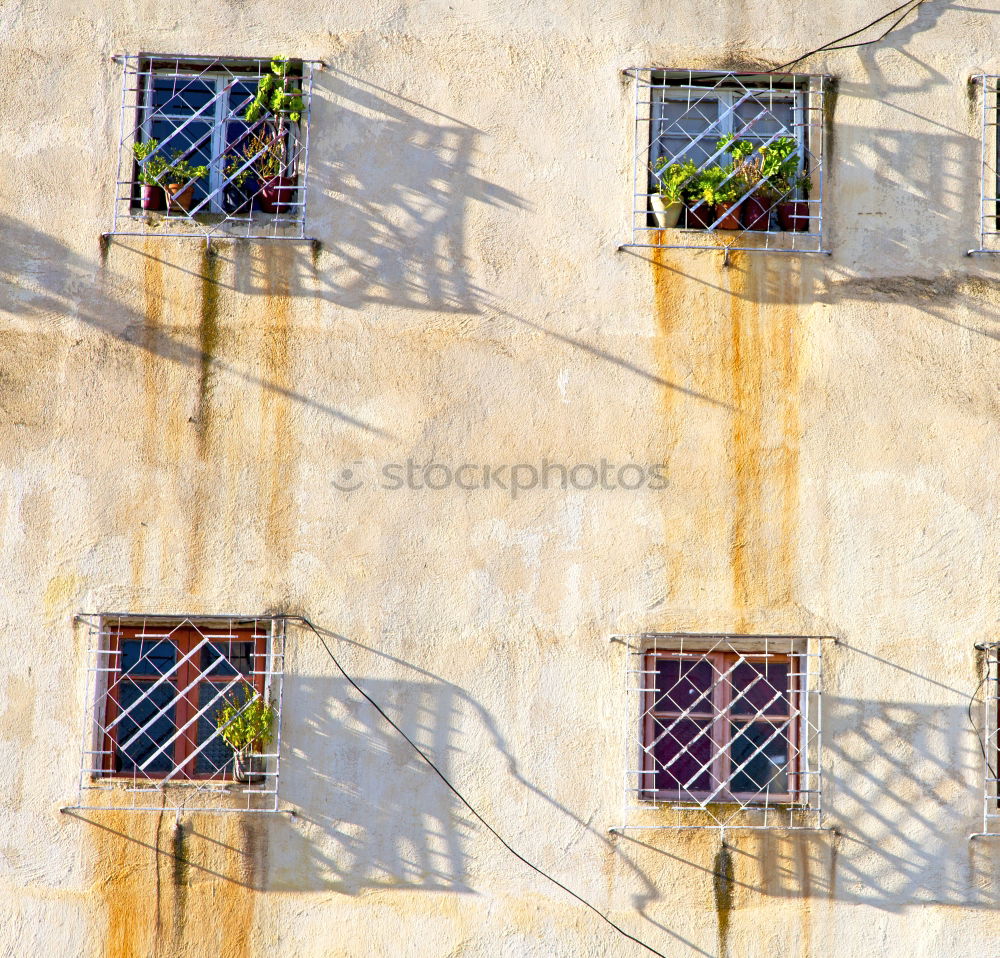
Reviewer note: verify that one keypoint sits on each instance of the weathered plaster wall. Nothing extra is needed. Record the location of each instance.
(172, 420)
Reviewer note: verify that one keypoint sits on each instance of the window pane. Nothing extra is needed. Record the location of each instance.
(154, 733)
(238, 658)
(679, 754)
(182, 95)
(684, 129)
(680, 684)
(147, 656)
(760, 688)
(763, 116)
(214, 758)
(766, 767)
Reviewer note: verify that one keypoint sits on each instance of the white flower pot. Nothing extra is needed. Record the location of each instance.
(666, 214)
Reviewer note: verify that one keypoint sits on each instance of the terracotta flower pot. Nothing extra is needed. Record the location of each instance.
(700, 218)
(277, 193)
(794, 216)
(152, 197)
(756, 213)
(180, 196)
(730, 216)
(666, 214)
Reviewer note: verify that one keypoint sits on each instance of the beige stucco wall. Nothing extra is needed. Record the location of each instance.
(171, 423)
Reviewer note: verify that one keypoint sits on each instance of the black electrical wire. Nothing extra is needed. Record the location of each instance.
(416, 748)
(908, 7)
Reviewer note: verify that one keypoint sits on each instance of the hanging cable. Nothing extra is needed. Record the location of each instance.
(416, 748)
(907, 8)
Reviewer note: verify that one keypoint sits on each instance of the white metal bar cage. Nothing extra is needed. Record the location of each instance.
(990, 740)
(723, 731)
(989, 164)
(728, 160)
(182, 712)
(206, 151)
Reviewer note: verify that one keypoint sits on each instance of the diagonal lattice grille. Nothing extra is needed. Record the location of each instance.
(990, 739)
(989, 164)
(727, 159)
(171, 699)
(202, 167)
(725, 727)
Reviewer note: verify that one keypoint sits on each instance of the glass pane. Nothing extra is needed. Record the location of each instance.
(766, 768)
(217, 755)
(680, 684)
(684, 130)
(238, 658)
(153, 734)
(763, 116)
(679, 754)
(147, 656)
(760, 688)
(183, 95)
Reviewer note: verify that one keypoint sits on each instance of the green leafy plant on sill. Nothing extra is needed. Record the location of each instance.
(246, 721)
(718, 184)
(277, 95)
(181, 170)
(236, 169)
(676, 182)
(151, 168)
(266, 153)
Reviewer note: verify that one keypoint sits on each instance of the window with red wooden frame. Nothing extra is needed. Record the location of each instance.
(165, 685)
(720, 726)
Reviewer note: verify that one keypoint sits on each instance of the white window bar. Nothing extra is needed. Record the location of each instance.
(722, 732)
(990, 741)
(252, 176)
(680, 118)
(153, 736)
(989, 165)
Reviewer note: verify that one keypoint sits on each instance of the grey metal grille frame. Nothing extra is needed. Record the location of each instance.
(990, 741)
(989, 164)
(798, 734)
(204, 780)
(221, 213)
(760, 89)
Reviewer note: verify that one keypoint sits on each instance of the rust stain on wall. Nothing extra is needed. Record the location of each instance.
(172, 892)
(276, 439)
(727, 343)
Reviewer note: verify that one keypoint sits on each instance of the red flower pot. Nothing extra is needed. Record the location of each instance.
(152, 197)
(277, 194)
(730, 216)
(181, 196)
(700, 218)
(756, 214)
(794, 216)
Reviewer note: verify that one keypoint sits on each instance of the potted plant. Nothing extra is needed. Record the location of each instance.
(246, 724)
(276, 105)
(703, 197)
(668, 200)
(238, 193)
(793, 214)
(151, 169)
(179, 180)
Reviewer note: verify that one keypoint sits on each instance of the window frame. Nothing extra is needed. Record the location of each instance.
(727, 99)
(720, 720)
(183, 754)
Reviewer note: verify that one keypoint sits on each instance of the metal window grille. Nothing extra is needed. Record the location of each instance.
(990, 740)
(723, 732)
(255, 180)
(153, 737)
(682, 115)
(989, 164)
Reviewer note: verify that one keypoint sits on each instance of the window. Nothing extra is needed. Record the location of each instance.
(166, 684)
(213, 146)
(988, 210)
(723, 731)
(729, 159)
(720, 727)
